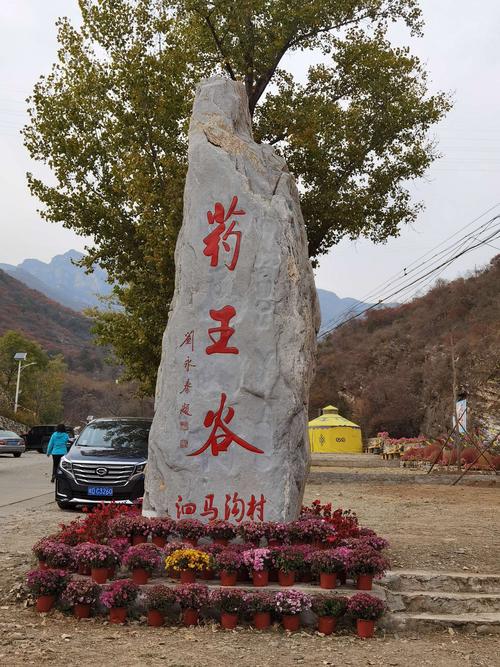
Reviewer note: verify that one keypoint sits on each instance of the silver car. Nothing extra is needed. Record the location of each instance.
(11, 443)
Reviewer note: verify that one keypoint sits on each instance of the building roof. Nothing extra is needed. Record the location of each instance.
(331, 418)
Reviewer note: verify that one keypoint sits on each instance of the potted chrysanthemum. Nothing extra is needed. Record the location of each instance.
(118, 597)
(227, 563)
(366, 609)
(142, 560)
(252, 531)
(191, 598)
(53, 554)
(288, 560)
(365, 563)
(161, 529)
(190, 530)
(99, 557)
(328, 609)
(188, 562)
(81, 594)
(159, 599)
(220, 531)
(46, 585)
(230, 602)
(260, 604)
(327, 564)
(290, 604)
(257, 561)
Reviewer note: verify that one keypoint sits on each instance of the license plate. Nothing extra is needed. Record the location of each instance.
(100, 491)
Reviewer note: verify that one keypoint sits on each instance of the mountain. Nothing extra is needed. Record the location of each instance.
(392, 369)
(56, 328)
(335, 309)
(62, 281)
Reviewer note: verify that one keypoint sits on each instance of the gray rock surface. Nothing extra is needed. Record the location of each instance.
(255, 359)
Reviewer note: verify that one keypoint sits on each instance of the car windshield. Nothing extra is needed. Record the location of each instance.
(8, 434)
(127, 437)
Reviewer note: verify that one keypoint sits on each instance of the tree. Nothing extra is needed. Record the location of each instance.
(40, 398)
(111, 121)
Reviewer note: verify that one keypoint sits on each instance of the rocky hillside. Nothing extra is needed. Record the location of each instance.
(392, 370)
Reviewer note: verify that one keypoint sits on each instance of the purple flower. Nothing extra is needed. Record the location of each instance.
(46, 582)
(191, 596)
(81, 591)
(366, 607)
(95, 555)
(145, 555)
(291, 602)
(257, 559)
(228, 600)
(121, 593)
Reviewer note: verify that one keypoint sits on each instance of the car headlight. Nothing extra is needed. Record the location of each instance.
(140, 468)
(66, 465)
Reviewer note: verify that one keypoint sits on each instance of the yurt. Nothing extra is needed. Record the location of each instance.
(331, 433)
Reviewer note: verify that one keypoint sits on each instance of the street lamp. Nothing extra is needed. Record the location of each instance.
(20, 357)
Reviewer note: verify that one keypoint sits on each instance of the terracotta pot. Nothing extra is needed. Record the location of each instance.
(156, 618)
(140, 576)
(291, 622)
(286, 578)
(228, 621)
(139, 539)
(81, 610)
(327, 624)
(117, 615)
(364, 582)
(45, 603)
(328, 580)
(99, 574)
(260, 578)
(365, 629)
(42, 565)
(188, 576)
(159, 540)
(228, 578)
(190, 616)
(223, 541)
(262, 620)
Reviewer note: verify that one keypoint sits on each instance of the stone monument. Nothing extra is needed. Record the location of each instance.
(229, 436)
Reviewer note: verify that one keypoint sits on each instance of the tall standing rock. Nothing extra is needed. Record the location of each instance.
(229, 437)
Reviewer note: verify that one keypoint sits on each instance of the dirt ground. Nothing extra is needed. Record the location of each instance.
(431, 527)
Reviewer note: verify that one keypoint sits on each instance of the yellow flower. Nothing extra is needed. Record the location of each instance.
(184, 559)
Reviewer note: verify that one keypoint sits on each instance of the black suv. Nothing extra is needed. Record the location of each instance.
(38, 437)
(105, 463)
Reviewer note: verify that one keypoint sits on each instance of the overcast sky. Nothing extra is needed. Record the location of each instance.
(460, 49)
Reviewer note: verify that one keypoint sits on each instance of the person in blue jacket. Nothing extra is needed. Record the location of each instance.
(57, 447)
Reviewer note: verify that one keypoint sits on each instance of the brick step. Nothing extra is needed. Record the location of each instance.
(484, 623)
(440, 602)
(442, 581)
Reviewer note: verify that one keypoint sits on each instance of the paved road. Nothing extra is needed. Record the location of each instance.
(25, 482)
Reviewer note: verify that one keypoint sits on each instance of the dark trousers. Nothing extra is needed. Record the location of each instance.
(56, 458)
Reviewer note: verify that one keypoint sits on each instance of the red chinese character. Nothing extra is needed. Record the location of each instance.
(185, 410)
(187, 387)
(256, 506)
(225, 332)
(219, 442)
(209, 509)
(188, 340)
(235, 507)
(186, 509)
(220, 232)
(183, 444)
(188, 364)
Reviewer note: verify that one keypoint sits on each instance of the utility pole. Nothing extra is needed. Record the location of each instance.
(455, 398)
(20, 357)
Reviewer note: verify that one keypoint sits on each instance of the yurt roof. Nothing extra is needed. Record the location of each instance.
(331, 420)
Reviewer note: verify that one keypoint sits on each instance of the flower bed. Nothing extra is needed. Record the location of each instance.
(321, 543)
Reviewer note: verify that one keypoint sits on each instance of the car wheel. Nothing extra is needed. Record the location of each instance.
(63, 505)
(16, 456)
(40, 451)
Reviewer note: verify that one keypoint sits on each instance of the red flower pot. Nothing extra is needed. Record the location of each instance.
(117, 615)
(228, 578)
(159, 540)
(188, 576)
(223, 541)
(286, 578)
(328, 580)
(156, 618)
(99, 574)
(228, 621)
(140, 576)
(42, 565)
(365, 629)
(139, 539)
(45, 602)
(262, 619)
(81, 610)
(260, 578)
(327, 624)
(364, 582)
(190, 617)
(291, 622)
